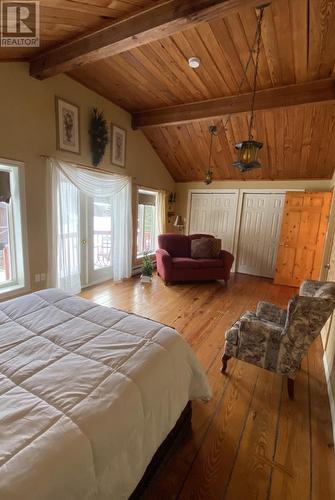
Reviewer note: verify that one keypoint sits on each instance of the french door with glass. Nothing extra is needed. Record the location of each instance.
(96, 241)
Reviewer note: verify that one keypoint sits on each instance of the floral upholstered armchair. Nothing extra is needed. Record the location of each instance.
(277, 339)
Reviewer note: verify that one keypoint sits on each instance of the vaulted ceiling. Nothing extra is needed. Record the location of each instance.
(298, 46)
(64, 20)
(299, 143)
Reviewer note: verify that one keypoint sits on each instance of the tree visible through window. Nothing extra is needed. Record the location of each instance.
(146, 222)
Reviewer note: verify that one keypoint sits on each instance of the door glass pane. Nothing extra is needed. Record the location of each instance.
(149, 228)
(146, 229)
(140, 232)
(102, 235)
(5, 257)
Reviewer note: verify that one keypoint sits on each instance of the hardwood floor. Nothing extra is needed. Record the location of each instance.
(250, 441)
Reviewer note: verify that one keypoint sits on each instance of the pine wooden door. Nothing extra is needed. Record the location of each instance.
(302, 239)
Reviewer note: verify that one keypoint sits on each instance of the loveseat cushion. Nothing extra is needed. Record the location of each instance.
(185, 263)
(177, 245)
(206, 263)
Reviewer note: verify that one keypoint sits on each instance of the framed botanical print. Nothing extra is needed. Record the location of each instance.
(67, 126)
(118, 146)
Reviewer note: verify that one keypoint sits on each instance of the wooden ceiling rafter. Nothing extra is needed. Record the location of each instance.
(138, 29)
(289, 135)
(277, 97)
(298, 48)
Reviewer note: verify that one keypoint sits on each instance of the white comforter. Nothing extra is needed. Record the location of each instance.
(87, 394)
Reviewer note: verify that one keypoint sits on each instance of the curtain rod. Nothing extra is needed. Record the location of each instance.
(87, 167)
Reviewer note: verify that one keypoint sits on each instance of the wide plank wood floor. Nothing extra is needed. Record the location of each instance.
(250, 441)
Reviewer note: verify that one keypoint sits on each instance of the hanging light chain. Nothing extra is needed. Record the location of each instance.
(255, 46)
(212, 131)
(255, 49)
(258, 49)
(209, 174)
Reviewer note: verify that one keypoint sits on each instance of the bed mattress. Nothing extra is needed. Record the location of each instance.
(87, 395)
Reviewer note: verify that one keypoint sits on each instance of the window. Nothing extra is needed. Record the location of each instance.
(146, 222)
(12, 274)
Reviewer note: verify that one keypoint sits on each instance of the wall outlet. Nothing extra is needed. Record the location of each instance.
(42, 276)
(37, 278)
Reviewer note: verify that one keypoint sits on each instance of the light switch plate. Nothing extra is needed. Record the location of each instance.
(37, 278)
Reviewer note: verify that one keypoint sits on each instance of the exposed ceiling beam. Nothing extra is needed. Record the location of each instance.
(146, 26)
(289, 95)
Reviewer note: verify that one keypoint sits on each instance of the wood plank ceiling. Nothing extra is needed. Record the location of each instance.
(299, 143)
(64, 20)
(298, 45)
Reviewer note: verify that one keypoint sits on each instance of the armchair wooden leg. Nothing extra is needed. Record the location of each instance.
(290, 388)
(225, 360)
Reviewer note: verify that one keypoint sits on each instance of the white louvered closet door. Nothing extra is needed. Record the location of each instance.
(259, 233)
(215, 214)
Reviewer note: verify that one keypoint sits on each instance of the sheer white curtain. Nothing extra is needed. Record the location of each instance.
(161, 211)
(63, 232)
(116, 189)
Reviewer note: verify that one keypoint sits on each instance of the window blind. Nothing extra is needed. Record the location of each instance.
(5, 193)
(146, 198)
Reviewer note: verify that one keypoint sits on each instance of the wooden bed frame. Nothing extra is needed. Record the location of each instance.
(181, 428)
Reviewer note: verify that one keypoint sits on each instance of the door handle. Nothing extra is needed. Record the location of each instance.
(83, 242)
(327, 266)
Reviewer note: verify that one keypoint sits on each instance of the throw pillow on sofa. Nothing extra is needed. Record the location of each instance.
(216, 248)
(205, 248)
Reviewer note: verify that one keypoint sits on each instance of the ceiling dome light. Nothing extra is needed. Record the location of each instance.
(194, 62)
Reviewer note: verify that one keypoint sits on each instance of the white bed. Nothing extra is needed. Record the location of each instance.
(87, 395)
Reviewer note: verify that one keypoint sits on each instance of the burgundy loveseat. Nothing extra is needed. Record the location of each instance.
(174, 262)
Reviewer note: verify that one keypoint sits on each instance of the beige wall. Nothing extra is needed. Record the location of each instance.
(27, 130)
(328, 334)
(329, 344)
(328, 337)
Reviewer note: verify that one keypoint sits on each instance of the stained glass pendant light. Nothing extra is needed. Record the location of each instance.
(248, 150)
(248, 155)
(212, 129)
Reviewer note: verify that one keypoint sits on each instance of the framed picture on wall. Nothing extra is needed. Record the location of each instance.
(67, 126)
(118, 146)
